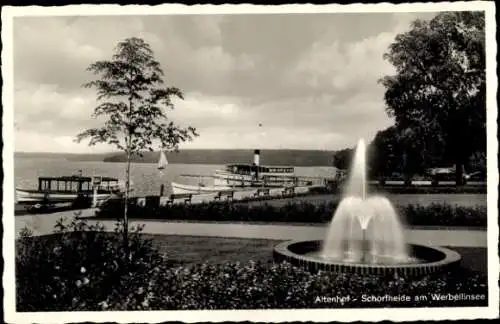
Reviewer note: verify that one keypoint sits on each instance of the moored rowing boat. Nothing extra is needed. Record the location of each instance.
(25, 196)
(178, 188)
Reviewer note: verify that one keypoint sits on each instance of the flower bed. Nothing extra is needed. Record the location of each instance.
(85, 270)
(293, 212)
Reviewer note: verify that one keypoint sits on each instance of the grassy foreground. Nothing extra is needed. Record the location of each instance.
(84, 268)
(189, 250)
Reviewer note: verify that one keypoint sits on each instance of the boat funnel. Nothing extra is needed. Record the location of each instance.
(256, 157)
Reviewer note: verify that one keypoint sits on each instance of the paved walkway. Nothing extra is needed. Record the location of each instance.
(44, 224)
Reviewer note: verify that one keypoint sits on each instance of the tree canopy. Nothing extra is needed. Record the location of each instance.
(342, 159)
(385, 154)
(437, 95)
(133, 97)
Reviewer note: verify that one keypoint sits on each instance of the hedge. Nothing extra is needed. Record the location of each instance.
(293, 212)
(396, 189)
(412, 189)
(86, 270)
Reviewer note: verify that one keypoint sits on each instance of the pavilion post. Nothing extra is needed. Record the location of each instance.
(94, 197)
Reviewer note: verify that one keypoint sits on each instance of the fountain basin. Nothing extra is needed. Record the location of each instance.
(423, 260)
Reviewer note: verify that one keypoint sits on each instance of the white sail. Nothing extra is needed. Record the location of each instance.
(162, 163)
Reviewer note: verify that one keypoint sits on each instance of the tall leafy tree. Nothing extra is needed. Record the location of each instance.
(437, 95)
(385, 154)
(404, 152)
(342, 159)
(133, 98)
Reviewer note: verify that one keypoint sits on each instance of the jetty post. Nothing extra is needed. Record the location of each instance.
(96, 181)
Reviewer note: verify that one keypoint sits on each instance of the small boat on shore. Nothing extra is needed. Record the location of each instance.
(67, 189)
(178, 188)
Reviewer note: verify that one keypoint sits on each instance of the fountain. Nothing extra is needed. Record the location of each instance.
(365, 236)
(364, 229)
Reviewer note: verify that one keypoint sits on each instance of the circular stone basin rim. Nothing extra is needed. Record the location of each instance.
(446, 256)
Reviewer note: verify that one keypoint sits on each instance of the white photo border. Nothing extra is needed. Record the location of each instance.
(315, 315)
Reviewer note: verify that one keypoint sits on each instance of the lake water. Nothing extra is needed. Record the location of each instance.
(146, 178)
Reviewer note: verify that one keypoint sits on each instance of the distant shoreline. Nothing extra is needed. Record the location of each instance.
(190, 163)
(299, 158)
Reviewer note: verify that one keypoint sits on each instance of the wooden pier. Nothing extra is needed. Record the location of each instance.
(247, 194)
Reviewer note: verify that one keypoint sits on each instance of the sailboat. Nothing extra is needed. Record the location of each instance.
(163, 162)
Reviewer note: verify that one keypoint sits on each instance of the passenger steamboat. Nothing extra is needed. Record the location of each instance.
(241, 176)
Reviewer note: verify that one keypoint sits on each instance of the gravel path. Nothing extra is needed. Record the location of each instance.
(44, 224)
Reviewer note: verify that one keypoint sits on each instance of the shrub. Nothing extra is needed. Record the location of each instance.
(445, 215)
(294, 212)
(79, 266)
(254, 285)
(398, 189)
(83, 267)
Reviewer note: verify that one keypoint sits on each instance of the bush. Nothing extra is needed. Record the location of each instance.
(405, 189)
(293, 212)
(80, 266)
(399, 189)
(250, 285)
(257, 285)
(445, 215)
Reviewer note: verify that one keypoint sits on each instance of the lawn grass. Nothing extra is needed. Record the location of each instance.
(473, 258)
(189, 250)
(192, 250)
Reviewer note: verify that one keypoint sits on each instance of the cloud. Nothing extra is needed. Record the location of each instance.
(32, 141)
(204, 112)
(310, 79)
(47, 110)
(331, 64)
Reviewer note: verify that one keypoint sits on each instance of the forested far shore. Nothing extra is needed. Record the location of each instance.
(216, 156)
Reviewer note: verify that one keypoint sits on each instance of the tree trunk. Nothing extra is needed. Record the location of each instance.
(127, 174)
(381, 179)
(407, 172)
(125, 214)
(459, 175)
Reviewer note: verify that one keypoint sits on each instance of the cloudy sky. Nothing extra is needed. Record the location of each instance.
(310, 80)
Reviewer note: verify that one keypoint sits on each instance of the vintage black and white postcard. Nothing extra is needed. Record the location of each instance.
(236, 162)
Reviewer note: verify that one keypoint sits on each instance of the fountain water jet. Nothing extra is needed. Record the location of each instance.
(365, 236)
(377, 235)
(356, 186)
